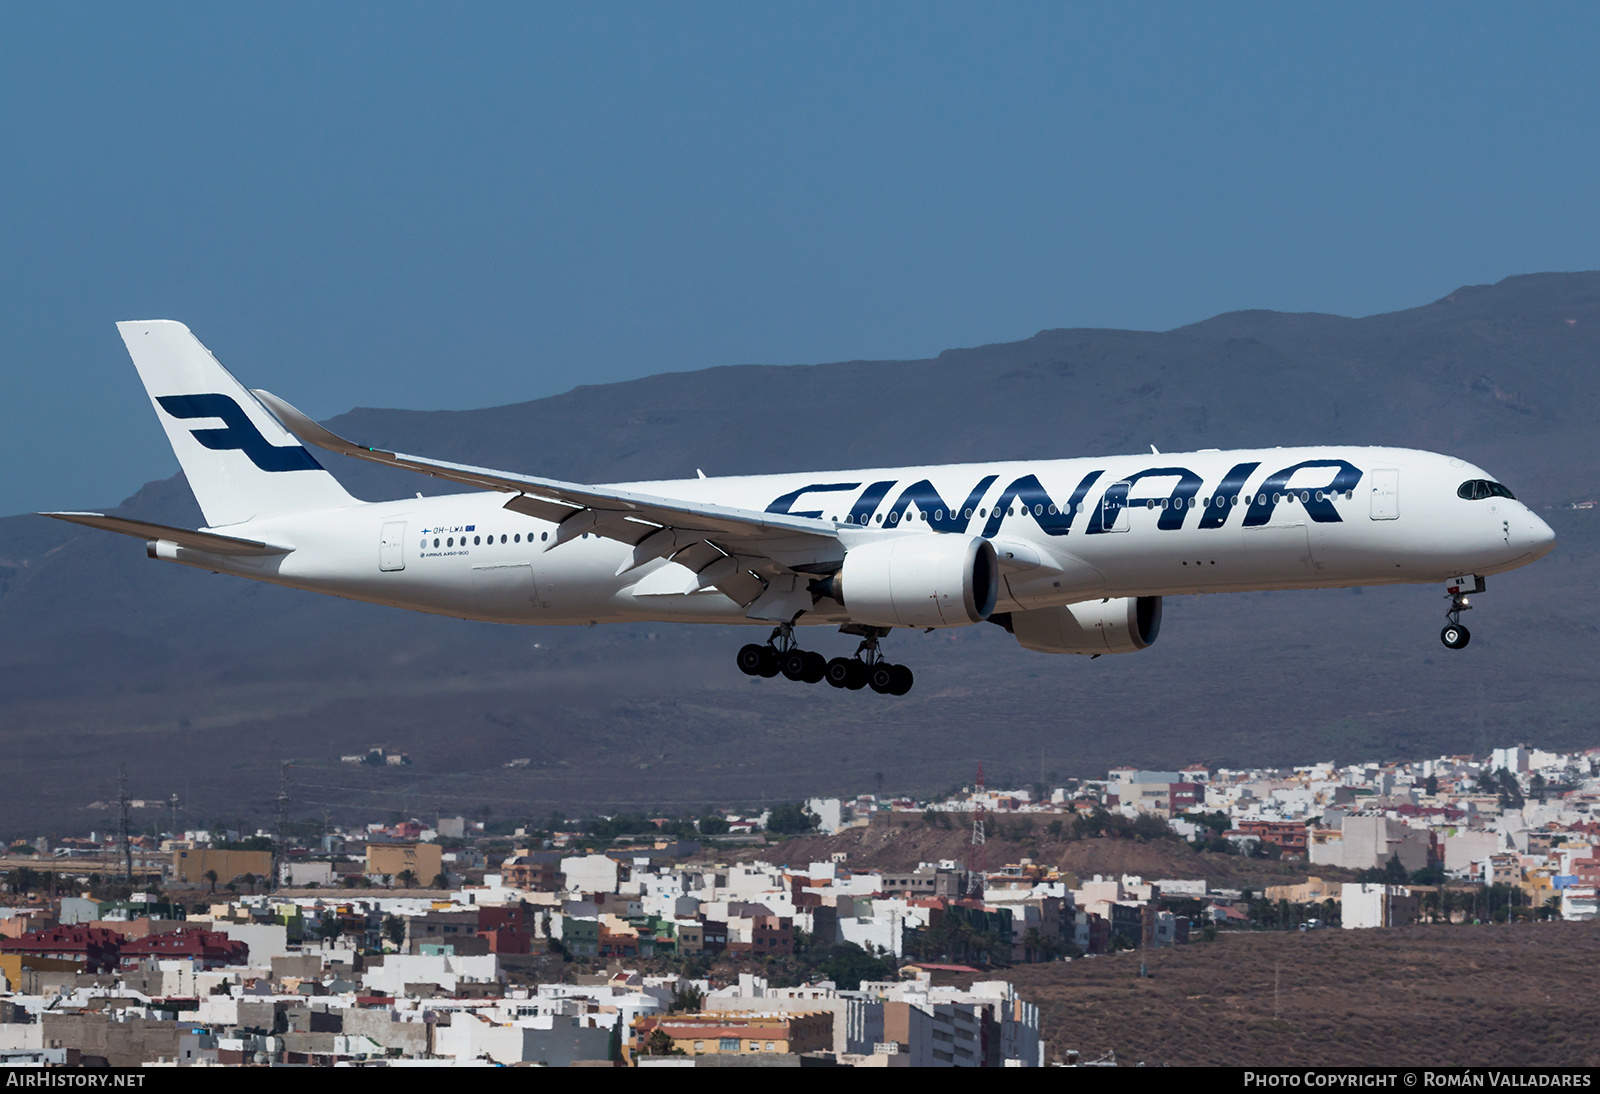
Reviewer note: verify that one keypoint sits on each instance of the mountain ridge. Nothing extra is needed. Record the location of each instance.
(106, 657)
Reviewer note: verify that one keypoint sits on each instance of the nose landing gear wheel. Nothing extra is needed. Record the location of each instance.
(1455, 636)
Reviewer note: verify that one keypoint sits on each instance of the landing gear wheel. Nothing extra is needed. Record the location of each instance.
(816, 666)
(1455, 636)
(750, 658)
(902, 680)
(837, 672)
(794, 664)
(881, 677)
(770, 664)
(855, 675)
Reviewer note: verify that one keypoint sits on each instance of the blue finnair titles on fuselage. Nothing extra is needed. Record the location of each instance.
(1067, 530)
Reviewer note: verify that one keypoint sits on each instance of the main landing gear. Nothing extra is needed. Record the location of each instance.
(780, 654)
(1454, 635)
(866, 669)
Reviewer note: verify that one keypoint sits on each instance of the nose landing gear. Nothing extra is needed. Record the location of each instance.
(1455, 636)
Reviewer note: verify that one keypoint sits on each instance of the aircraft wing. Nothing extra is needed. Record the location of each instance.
(183, 537)
(751, 556)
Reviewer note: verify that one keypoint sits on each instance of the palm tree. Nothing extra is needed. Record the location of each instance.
(211, 876)
(22, 880)
(407, 879)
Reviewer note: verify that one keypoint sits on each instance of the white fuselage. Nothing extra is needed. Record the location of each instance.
(1065, 531)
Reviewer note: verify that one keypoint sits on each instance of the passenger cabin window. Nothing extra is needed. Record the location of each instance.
(1478, 489)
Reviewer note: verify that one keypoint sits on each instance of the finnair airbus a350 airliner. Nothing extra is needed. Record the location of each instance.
(1070, 556)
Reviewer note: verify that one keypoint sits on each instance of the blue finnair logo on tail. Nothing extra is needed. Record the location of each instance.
(237, 432)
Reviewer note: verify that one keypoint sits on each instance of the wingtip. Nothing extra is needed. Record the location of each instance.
(301, 424)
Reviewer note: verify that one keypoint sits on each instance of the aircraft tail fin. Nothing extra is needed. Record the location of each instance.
(240, 462)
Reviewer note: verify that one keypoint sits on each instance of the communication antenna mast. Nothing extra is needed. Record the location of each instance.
(979, 865)
(126, 808)
(278, 856)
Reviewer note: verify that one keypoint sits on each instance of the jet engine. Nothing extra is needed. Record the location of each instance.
(1092, 627)
(918, 581)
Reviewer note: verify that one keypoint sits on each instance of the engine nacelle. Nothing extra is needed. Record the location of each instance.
(920, 581)
(1093, 627)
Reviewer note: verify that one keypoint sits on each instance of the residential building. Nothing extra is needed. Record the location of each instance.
(1375, 905)
(712, 1033)
(205, 949)
(424, 861)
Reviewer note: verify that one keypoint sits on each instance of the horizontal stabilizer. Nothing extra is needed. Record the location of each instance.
(183, 537)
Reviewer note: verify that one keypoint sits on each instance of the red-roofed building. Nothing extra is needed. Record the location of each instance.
(506, 928)
(211, 948)
(1226, 913)
(95, 948)
(770, 936)
(1286, 835)
(1182, 797)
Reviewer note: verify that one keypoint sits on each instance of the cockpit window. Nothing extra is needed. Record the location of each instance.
(1478, 489)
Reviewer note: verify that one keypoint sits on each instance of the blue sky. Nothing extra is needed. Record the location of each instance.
(450, 206)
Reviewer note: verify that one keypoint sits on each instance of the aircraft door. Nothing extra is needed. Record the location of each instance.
(391, 546)
(1385, 493)
(1114, 513)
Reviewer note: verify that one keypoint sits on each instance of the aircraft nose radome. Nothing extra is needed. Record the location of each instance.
(1541, 538)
